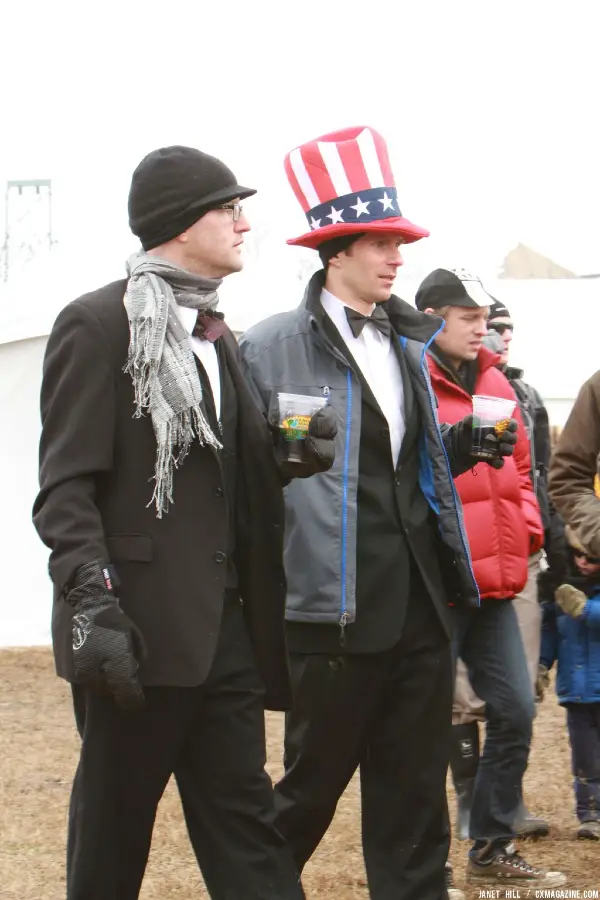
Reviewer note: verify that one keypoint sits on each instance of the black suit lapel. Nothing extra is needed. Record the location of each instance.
(411, 414)
(207, 404)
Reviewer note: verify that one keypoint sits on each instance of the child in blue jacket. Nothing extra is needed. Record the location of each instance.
(571, 635)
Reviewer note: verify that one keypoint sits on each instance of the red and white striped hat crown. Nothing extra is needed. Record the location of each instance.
(345, 184)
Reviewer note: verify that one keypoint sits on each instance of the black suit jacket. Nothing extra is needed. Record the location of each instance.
(96, 466)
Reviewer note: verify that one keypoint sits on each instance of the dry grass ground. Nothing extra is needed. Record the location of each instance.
(38, 752)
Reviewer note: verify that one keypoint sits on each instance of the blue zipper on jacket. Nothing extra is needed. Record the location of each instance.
(453, 486)
(344, 606)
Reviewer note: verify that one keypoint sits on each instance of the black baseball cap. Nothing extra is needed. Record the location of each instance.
(451, 287)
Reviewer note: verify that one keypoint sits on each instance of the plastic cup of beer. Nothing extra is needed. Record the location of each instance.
(295, 413)
(491, 416)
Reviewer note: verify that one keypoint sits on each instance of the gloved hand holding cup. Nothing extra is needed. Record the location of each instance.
(492, 422)
(295, 413)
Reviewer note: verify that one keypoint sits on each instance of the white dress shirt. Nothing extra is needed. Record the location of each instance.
(206, 353)
(377, 360)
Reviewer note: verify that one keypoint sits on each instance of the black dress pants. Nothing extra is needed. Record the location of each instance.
(212, 739)
(389, 713)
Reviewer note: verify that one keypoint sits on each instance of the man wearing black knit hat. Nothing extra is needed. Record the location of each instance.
(537, 426)
(161, 501)
(535, 419)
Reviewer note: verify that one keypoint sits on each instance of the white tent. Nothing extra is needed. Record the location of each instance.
(556, 341)
(27, 310)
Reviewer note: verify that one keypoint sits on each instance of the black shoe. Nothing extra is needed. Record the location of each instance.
(464, 762)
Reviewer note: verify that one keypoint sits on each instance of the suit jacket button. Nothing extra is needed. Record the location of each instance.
(219, 492)
(220, 557)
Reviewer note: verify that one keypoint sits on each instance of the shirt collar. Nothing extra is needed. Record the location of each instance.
(336, 310)
(187, 317)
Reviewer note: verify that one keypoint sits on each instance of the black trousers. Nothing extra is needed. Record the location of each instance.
(212, 739)
(389, 713)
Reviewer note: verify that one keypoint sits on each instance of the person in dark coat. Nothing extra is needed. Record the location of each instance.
(537, 425)
(161, 502)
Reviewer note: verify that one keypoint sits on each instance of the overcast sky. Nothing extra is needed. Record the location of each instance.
(490, 111)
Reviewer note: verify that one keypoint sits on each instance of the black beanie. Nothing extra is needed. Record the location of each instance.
(328, 249)
(498, 310)
(172, 188)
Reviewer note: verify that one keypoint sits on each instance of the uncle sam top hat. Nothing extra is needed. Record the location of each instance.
(345, 185)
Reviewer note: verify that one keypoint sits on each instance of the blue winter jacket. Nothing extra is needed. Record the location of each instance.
(289, 352)
(575, 644)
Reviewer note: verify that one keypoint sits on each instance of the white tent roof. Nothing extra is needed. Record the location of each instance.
(555, 336)
(31, 300)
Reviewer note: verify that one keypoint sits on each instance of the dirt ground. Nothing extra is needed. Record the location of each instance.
(38, 752)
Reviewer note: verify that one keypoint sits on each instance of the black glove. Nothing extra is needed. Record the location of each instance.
(107, 646)
(461, 436)
(319, 446)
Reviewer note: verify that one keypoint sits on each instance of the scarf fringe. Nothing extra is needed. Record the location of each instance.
(143, 369)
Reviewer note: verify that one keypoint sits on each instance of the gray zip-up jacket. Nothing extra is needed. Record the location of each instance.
(290, 352)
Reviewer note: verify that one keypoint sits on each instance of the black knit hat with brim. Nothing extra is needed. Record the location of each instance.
(174, 187)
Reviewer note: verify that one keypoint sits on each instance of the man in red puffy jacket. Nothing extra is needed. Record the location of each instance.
(504, 527)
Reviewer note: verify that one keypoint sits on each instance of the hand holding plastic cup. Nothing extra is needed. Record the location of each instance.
(295, 413)
(491, 416)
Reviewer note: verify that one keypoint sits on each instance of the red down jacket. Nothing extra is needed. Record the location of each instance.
(502, 516)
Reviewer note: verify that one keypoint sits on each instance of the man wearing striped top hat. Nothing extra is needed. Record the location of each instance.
(375, 549)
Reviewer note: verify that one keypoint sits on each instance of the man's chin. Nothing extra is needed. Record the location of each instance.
(235, 265)
(383, 294)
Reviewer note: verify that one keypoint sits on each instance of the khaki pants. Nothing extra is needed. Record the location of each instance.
(468, 707)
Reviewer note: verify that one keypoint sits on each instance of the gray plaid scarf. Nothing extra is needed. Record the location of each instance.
(161, 362)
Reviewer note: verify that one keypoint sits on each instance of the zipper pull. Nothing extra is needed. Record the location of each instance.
(326, 391)
(343, 622)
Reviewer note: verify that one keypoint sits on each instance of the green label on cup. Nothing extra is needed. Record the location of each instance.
(294, 428)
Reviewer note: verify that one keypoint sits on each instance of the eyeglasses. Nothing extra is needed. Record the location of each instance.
(235, 209)
(500, 328)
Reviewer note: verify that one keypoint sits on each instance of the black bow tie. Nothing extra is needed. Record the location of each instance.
(209, 325)
(378, 318)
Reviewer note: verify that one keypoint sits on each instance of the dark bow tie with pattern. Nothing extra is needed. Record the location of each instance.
(209, 326)
(378, 318)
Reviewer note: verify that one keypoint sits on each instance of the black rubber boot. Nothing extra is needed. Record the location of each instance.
(464, 761)
(528, 824)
